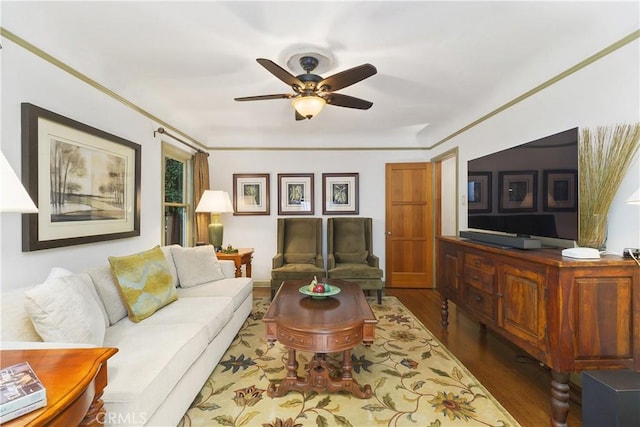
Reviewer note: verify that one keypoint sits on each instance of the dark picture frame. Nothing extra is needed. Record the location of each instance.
(518, 191)
(251, 194)
(295, 194)
(479, 192)
(85, 182)
(340, 194)
(560, 190)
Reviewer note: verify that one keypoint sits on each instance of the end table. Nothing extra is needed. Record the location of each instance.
(243, 256)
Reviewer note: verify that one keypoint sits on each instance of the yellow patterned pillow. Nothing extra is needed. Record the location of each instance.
(145, 282)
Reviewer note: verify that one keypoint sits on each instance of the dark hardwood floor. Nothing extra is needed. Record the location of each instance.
(520, 384)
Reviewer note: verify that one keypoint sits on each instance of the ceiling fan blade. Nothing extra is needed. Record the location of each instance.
(340, 100)
(262, 97)
(347, 77)
(280, 72)
(299, 116)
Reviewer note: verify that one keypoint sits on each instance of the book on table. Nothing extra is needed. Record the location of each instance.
(20, 391)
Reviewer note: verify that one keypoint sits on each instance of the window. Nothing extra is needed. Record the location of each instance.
(178, 196)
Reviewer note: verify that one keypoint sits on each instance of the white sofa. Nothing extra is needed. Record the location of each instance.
(162, 361)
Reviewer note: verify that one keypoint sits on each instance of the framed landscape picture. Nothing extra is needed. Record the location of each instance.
(479, 192)
(86, 182)
(339, 193)
(518, 191)
(251, 194)
(560, 190)
(295, 194)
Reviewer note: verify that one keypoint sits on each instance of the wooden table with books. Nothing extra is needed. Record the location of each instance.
(74, 379)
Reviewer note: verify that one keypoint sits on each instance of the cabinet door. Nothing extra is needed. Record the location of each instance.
(521, 305)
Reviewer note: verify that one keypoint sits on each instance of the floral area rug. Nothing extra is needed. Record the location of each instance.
(416, 381)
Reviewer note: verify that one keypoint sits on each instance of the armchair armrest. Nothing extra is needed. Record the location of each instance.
(277, 261)
(331, 261)
(319, 261)
(373, 261)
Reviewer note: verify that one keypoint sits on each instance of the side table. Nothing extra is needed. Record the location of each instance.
(74, 378)
(243, 256)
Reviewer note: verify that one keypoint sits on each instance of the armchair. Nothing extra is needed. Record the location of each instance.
(350, 253)
(299, 255)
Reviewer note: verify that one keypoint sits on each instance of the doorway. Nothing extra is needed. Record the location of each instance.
(409, 231)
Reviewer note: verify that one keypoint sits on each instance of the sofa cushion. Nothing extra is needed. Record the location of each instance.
(238, 289)
(211, 313)
(67, 309)
(354, 271)
(145, 282)
(196, 265)
(108, 292)
(151, 360)
(352, 257)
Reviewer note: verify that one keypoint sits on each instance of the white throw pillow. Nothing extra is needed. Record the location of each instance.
(66, 310)
(109, 294)
(197, 265)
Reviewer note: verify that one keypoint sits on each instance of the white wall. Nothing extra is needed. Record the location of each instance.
(604, 93)
(27, 78)
(259, 232)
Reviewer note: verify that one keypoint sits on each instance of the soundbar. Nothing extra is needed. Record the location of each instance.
(502, 240)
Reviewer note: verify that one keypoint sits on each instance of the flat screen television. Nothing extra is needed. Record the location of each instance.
(528, 190)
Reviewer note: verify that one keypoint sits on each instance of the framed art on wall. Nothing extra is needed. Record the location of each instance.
(86, 182)
(339, 193)
(560, 190)
(295, 194)
(479, 192)
(518, 191)
(251, 194)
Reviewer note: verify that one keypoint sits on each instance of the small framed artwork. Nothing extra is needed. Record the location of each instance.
(295, 194)
(251, 194)
(518, 191)
(86, 182)
(339, 193)
(561, 190)
(479, 192)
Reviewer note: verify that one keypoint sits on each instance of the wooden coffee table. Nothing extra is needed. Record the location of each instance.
(336, 323)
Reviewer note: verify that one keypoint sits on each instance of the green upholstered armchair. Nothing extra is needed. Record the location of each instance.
(350, 253)
(299, 253)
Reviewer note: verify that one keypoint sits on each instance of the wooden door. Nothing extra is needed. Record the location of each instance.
(409, 238)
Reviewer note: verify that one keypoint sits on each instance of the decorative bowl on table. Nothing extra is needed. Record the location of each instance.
(329, 291)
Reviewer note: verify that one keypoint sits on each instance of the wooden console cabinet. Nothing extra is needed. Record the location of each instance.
(571, 314)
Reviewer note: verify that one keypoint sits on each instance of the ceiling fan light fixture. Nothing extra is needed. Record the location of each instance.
(309, 105)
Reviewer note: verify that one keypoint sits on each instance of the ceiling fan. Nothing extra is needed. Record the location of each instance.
(313, 92)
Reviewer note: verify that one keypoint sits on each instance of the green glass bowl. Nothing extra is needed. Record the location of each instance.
(333, 290)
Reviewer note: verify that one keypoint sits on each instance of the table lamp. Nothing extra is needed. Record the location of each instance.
(215, 202)
(13, 196)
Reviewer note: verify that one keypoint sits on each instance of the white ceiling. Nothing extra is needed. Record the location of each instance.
(441, 65)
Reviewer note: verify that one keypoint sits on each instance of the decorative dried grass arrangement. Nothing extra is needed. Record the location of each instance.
(604, 158)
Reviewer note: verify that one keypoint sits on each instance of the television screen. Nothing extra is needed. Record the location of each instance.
(527, 190)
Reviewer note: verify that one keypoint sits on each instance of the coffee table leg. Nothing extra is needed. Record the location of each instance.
(291, 381)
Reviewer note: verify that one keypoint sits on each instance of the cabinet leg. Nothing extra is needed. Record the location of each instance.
(444, 312)
(559, 398)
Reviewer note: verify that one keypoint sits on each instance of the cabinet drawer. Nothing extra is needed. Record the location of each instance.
(478, 278)
(479, 301)
(480, 262)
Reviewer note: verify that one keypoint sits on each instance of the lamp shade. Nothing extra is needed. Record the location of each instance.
(214, 201)
(13, 196)
(635, 198)
(308, 106)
